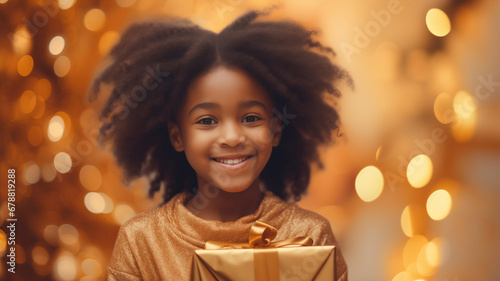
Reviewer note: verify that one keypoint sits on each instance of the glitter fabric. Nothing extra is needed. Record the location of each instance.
(159, 244)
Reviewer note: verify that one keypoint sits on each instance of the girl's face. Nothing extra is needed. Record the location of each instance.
(226, 129)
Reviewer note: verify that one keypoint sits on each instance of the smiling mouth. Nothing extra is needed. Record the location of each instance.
(234, 161)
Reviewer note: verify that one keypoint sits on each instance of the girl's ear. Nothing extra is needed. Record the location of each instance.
(175, 136)
(276, 128)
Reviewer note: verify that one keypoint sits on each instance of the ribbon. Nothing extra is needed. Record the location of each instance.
(260, 236)
(266, 264)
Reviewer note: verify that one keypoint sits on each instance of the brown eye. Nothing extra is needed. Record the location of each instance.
(251, 118)
(206, 121)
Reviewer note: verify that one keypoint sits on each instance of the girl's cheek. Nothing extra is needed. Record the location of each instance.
(264, 137)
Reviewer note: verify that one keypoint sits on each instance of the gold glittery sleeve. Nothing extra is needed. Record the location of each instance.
(123, 265)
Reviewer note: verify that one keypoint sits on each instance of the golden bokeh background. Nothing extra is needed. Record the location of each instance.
(411, 188)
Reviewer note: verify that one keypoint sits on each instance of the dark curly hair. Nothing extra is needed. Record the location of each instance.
(154, 63)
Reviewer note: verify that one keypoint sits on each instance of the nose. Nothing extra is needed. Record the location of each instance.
(231, 135)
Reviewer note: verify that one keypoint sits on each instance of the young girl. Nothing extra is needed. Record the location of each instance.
(227, 125)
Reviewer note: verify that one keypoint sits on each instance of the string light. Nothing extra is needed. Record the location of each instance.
(438, 22)
(94, 19)
(62, 162)
(25, 65)
(419, 171)
(123, 213)
(439, 204)
(27, 101)
(62, 65)
(369, 183)
(56, 45)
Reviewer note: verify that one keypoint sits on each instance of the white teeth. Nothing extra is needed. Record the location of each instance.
(231, 161)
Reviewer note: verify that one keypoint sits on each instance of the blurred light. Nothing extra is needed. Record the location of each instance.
(403, 276)
(413, 220)
(50, 234)
(423, 266)
(27, 101)
(66, 4)
(48, 173)
(442, 108)
(56, 128)
(90, 177)
(22, 40)
(108, 39)
(62, 65)
(95, 202)
(439, 204)
(39, 109)
(62, 162)
(412, 248)
(25, 65)
(89, 118)
(68, 234)
(40, 255)
(56, 45)
(419, 171)
(35, 135)
(108, 203)
(3, 1)
(465, 108)
(125, 3)
(3, 240)
(32, 173)
(438, 22)
(94, 19)
(65, 267)
(43, 88)
(369, 183)
(123, 213)
(91, 267)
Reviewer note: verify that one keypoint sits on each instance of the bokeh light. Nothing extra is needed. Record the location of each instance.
(56, 45)
(62, 66)
(108, 39)
(465, 108)
(413, 220)
(55, 130)
(443, 108)
(123, 213)
(22, 40)
(27, 101)
(90, 177)
(438, 22)
(62, 162)
(49, 173)
(369, 183)
(94, 19)
(32, 173)
(95, 202)
(419, 171)
(40, 255)
(66, 4)
(43, 88)
(439, 204)
(3, 240)
(91, 267)
(68, 234)
(65, 267)
(51, 234)
(25, 65)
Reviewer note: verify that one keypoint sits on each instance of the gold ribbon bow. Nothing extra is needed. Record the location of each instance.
(266, 264)
(260, 236)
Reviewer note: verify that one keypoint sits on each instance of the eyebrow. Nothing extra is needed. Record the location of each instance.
(211, 105)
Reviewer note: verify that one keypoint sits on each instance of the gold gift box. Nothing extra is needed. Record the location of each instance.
(265, 264)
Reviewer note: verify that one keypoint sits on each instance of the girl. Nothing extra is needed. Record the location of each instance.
(227, 125)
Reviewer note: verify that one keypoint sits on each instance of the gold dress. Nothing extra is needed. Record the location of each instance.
(158, 244)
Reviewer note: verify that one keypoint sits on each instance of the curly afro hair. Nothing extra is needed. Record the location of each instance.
(154, 63)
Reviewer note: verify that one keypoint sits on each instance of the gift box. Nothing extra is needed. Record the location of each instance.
(262, 260)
